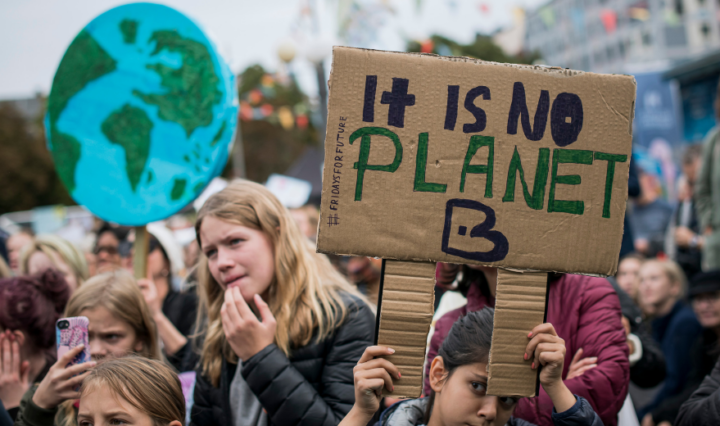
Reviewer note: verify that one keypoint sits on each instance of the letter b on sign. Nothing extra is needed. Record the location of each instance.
(481, 230)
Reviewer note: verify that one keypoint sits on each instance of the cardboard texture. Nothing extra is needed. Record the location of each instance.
(458, 160)
(519, 307)
(405, 316)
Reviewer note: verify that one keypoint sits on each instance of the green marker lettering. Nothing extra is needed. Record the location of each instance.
(537, 198)
(361, 165)
(477, 142)
(574, 156)
(420, 165)
(611, 159)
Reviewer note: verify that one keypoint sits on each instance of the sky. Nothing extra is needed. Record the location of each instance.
(37, 32)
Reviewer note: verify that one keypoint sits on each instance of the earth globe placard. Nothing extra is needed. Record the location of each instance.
(141, 115)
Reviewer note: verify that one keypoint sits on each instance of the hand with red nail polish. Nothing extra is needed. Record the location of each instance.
(371, 375)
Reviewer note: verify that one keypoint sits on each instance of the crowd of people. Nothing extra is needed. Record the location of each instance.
(248, 325)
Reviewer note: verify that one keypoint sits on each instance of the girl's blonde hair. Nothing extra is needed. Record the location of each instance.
(48, 244)
(305, 294)
(118, 292)
(148, 385)
(672, 271)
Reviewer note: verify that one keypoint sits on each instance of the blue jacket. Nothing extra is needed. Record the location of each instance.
(676, 333)
(411, 412)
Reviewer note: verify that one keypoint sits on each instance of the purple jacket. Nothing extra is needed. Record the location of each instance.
(585, 312)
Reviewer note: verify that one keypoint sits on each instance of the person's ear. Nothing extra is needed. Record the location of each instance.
(138, 346)
(437, 374)
(175, 423)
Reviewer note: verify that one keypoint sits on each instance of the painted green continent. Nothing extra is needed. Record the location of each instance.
(84, 61)
(219, 134)
(192, 89)
(128, 28)
(130, 128)
(178, 189)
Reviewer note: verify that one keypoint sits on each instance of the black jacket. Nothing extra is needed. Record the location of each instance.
(313, 387)
(703, 354)
(703, 407)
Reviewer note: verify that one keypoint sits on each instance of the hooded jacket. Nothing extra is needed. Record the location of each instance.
(585, 312)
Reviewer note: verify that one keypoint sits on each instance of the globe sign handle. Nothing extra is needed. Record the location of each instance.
(140, 252)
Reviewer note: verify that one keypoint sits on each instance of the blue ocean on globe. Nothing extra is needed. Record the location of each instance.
(141, 115)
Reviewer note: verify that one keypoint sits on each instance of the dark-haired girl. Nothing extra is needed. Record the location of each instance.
(29, 307)
(458, 377)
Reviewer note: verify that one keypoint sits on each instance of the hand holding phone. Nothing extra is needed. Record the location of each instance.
(61, 382)
(71, 333)
(64, 378)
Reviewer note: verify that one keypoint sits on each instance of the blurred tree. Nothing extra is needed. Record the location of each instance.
(482, 48)
(27, 174)
(274, 122)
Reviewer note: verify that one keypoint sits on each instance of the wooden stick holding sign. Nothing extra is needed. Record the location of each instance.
(442, 159)
(140, 252)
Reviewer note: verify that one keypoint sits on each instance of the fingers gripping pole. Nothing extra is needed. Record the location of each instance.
(519, 307)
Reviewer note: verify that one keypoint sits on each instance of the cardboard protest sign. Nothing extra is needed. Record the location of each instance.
(141, 114)
(457, 160)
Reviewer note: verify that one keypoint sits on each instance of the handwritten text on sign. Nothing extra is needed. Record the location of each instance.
(482, 138)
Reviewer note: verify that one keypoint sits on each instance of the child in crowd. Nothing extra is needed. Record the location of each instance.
(131, 390)
(458, 377)
(586, 314)
(120, 324)
(283, 328)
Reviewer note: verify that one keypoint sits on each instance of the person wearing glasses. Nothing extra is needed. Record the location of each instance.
(107, 246)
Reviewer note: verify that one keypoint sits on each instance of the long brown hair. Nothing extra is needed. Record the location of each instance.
(148, 385)
(305, 294)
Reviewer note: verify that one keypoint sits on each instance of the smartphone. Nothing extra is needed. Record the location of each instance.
(71, 333)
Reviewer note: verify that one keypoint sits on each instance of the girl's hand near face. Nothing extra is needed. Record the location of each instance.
(14, 372)
(60, 382)
(245, 334)
(371, 375)
(546, 348)
(149, 292)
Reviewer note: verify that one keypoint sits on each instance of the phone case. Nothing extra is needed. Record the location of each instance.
(70, 333)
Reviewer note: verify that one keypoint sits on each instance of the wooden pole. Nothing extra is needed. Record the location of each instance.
(140, 252)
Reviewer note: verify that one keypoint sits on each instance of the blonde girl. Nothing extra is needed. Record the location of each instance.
(132, 390)
(50, 251)
(120, 324)
(283, 329)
